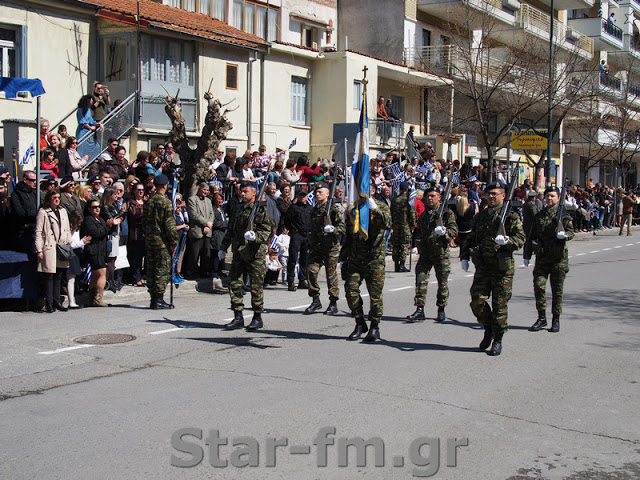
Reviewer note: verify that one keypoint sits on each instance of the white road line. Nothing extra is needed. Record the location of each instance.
(629, 245)
(606, 249)
(580, 254)
(401, 288)
(298, 307)
(160, 332)
(364, 295)
(65, 349)
(469, 275)
(594, 251)
(433, 282)
(618, 246)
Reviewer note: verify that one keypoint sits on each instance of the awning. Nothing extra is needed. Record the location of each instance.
(11, 86)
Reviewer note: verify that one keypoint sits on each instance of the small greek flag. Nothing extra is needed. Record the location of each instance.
(422, 168)
(396, 171)
(397, 181)
(174, 192)
(274, 243)
(259, 180)
(86, 278)
(295, 140)
(311, 199)
(455, 178)
(217, 183)
(412, 196)
(422, 185)
(27, 155)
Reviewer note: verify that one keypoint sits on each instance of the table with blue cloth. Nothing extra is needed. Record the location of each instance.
(18, 276)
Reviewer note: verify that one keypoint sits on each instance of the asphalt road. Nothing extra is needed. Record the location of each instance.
(552, 406)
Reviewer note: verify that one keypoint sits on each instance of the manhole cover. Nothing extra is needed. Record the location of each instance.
(105, 339)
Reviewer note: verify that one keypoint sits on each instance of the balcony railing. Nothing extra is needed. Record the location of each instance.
(610, 81)
(530, 18)
(385, 132)
(438, 59)
(610, 28)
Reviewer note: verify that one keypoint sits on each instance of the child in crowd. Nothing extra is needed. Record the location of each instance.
(273, 266)
(282, 241)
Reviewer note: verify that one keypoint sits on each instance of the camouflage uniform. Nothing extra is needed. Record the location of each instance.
(248, 257)
(324, 247)
(552, 257)
(494, 266)
(160, 238)
(366, 261)
(404, 219)
(434, 252)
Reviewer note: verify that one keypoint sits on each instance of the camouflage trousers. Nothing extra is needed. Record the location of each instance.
(497, 284)
(373, 275)
(330, 260)
(442, 267)
(256, 269)
(400, 244)
(556, 273)
(158, 264)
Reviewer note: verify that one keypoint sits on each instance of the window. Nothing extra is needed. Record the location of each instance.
(251, 18)
(189, 5)
(167, 61)
(308, 34)
(232, 76)
(115, 59)
(298, 101)
(219, 9)
(357, 94)
(396, 105)
(11, 61)
(426, 38)
(204, 6)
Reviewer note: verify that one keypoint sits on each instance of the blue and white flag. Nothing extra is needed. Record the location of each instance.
(412, 196)
(174, 192)
(396, 183)
(396, 170)
(422, 185)
(217, 183)
(360, 176)
(295, 140)
(311, 199)
(27, 155)
(274, 243)
(259, 180)
(455, 178)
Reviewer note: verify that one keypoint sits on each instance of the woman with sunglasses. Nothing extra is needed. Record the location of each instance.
(75, 160)
(96, 250)
(135, 245)
(52, 229)
(113, 217)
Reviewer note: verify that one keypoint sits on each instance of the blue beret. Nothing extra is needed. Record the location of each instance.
(495, 185)
(161, 179)
(404, 186)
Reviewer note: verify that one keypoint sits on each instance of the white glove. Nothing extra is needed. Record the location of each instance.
(372, 204)
(221, 254)
(465, 265)
(329, 229)
(561, 235)
(526, 262)
(440, 231)
(250, 236)
(501, 239)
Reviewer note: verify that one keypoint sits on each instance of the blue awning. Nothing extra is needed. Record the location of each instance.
(11, 86)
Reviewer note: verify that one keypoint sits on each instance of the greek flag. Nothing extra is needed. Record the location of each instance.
(397, 181)
(86, 278)
(174, 192)
(396, 171)
(360, 176)
(259, 180)
(422, 185)
(455, 178)
(412, 196)
(295, 140)
(217, 183)
(27, 155)
(311, 199)
(274, 243)
(422, 168)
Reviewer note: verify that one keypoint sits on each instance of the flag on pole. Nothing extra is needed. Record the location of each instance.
(359, 180)
(295, 140)
(174, 192)
(397, 181)
(311, 199)
(396, 171)
(27, 155)
(412, 196)
(274, 243)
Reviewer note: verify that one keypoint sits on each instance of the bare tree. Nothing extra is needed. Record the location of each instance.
(196, 161)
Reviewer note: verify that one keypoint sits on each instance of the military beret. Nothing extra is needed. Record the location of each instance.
(160, 179)
(321, 185)
(66, 180)
(404, 186)
(496, 185)
(95, 178)
(431, 189)
(253, 185)
(552, 189)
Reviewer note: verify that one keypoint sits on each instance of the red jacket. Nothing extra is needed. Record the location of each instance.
(306, 172)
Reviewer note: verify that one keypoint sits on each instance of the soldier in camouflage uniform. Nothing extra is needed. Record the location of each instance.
(404, 219)
(324, 248)
(365, 260)
(492, 256)
(432, 237)
(160, 240)
(552, 258)
(249, 247)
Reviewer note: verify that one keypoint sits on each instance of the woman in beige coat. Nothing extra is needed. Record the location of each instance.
(52, 228)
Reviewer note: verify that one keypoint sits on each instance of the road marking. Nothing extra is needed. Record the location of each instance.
(469, 275)
(65, 349)
(580, 254)
(594, 251)
(298, 307)
(606, 249)
(364, 295)
(629, 245)
(618, 246)
(401, 288)
(433, 282)
(160, 332)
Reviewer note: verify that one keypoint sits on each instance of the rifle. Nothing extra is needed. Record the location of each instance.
(331, 201)
(444, 201)
(506, 206)
(561, 207)
(258, 200)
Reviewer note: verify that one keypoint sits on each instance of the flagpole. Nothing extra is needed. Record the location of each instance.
(36, 150)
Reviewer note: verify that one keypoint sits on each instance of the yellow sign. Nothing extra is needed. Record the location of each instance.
(528, 140)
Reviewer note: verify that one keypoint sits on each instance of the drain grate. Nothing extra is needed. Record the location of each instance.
(105, 339)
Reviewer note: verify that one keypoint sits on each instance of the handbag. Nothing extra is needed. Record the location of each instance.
(64, 252)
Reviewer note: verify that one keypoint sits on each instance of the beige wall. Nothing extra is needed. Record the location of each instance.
(58, 47)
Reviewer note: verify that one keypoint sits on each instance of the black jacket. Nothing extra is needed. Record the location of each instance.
(298, 219)
(98, 230)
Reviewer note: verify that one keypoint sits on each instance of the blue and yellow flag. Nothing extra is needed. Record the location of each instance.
(359, 180)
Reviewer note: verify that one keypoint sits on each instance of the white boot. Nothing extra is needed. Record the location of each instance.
(71, 285)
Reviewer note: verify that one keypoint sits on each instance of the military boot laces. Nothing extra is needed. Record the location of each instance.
(486, 340)
(555, 324)
(496, 348)
(417, 316)
(540, 323)
(237, 322)
(315, 305)
(256, 322)
(361, 327)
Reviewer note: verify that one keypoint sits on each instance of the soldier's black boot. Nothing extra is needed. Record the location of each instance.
(315, 305)
(397, 264)
(162, 303)
(237, 322)
(373, 335)
(292, 287)
(441, 315)
(303, 285)
(540, 323)
(417, 316)
(157, 303)
(256, 322)
(555, 324)
(496, 348)
(361, 327)
(486, 340)
(332, 309)
(401, 268)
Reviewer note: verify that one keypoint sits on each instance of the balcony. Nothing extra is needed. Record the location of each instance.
(383, 132)
(605, 35)
(635, 4)
(464, 12)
